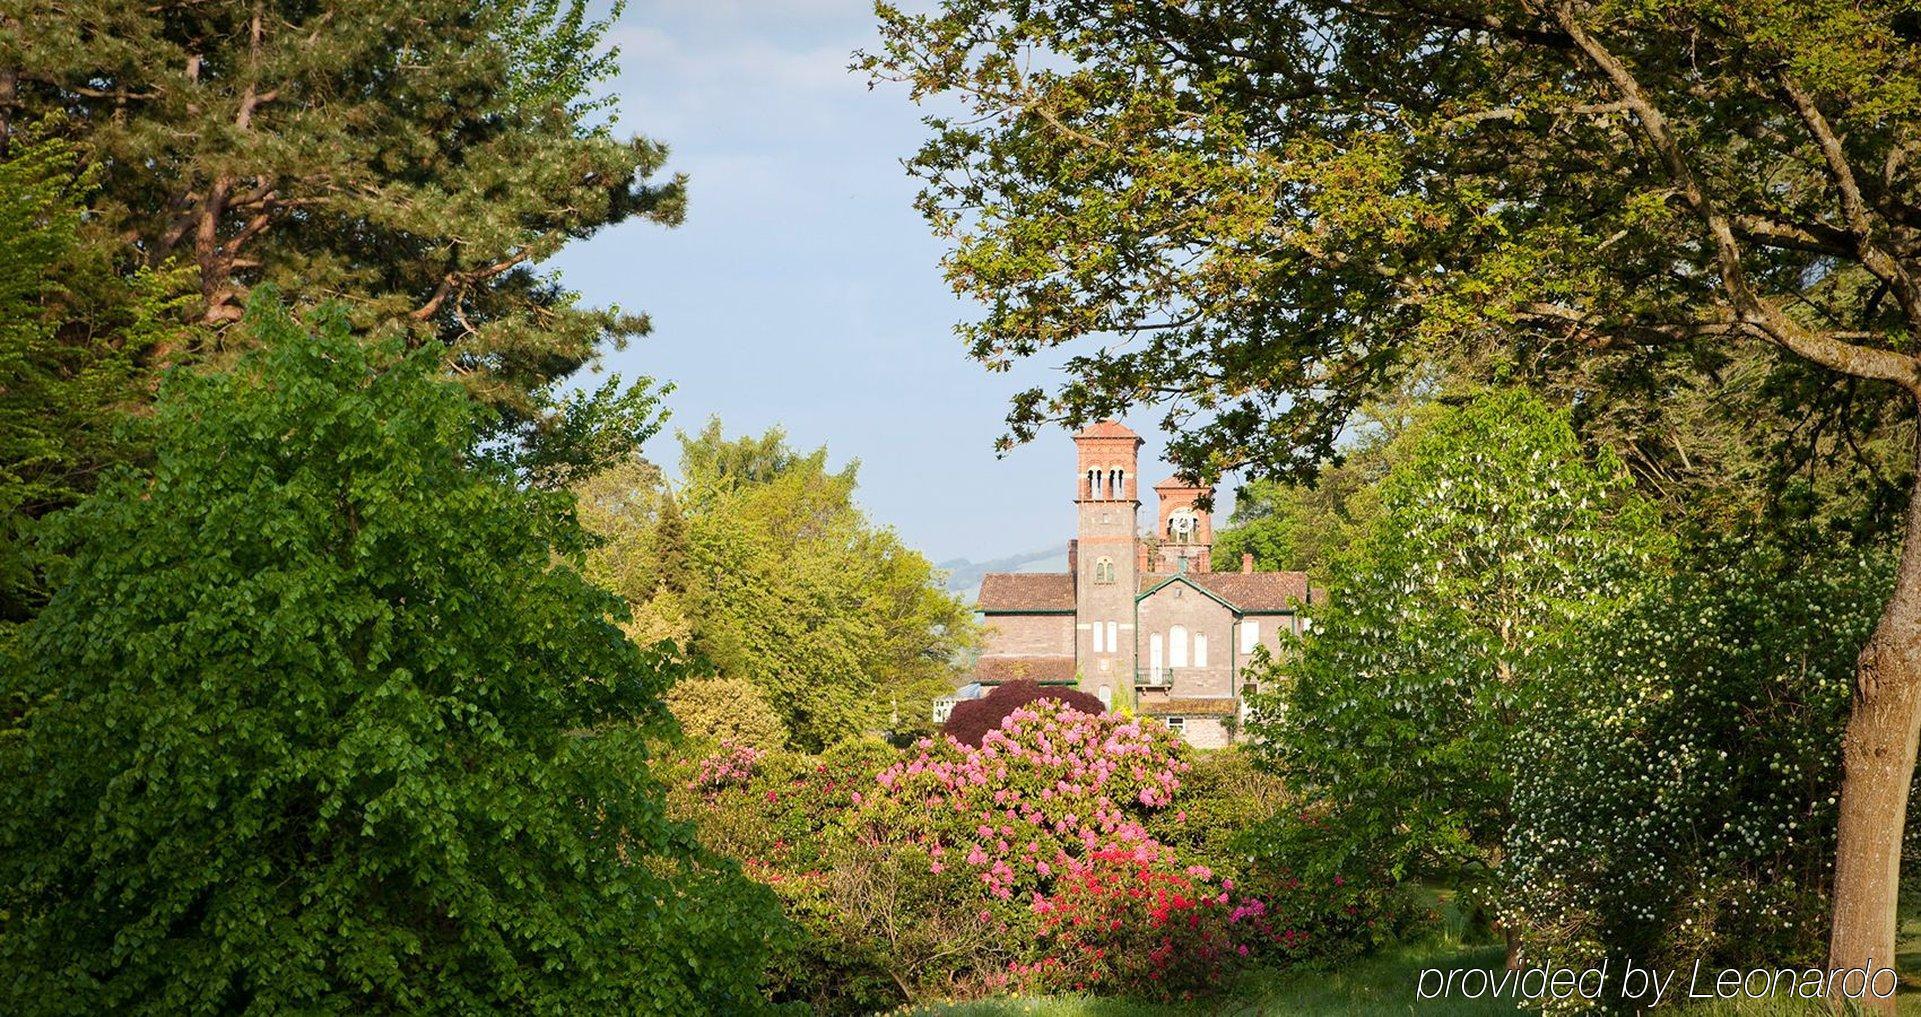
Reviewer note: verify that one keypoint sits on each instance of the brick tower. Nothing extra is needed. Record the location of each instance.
(1185, 531)
(1106, 567)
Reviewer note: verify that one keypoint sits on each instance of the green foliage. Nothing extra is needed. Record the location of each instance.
(1226, 801)
(761, 563)
(322, 717)
(418, 168)
(1498, 537)
(71, 337)
(1675, 795)
(1308, 524)
(726, 710)
(1287, 207)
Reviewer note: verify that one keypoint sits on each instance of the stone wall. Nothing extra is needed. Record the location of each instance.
(1178, 603)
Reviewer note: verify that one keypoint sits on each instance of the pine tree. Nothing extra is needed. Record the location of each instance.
(418, 167)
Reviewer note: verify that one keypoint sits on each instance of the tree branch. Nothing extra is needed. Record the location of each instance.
(1750, 309)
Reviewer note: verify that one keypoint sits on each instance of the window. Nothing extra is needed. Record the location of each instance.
(1094, 484)
(1113, 637)
(1107, 696)
(1117, 482)
(1200, 649)
(1178, 725)
(1177, 646)
(1154, 658)
(1098, 631)
(1250, 635)
(1104, 570)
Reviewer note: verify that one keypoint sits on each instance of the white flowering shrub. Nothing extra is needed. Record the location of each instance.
(1674, 799)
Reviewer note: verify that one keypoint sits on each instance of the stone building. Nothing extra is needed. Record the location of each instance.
(1139, 618)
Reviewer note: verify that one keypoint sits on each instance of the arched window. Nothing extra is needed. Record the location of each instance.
(1107, 696)
(1117, 482)
(1177, 646)
(1094, 484)
(1200, 649)
(1183, 526)
(1154, 658)
(1104, 570)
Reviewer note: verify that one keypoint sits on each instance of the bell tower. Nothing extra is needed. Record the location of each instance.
(1107, 564)
(1185, 531)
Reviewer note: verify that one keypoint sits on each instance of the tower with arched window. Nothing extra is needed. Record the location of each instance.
(1107, 564)
(1140, 617)
(1184, 537)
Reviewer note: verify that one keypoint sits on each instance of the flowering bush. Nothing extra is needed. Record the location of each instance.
(732, 766)
(1678, 799)
(1126, 919)
(1050, 785)
(1055, 854)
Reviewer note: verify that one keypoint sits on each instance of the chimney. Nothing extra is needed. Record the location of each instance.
(1140, 546)
(1247, 563)
(1073, 557)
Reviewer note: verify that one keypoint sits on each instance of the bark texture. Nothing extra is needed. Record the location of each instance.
(1878, 755)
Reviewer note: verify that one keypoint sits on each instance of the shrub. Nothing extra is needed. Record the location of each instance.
(712, 711)
(1678, 797)
(1127, 921)
(973, 718)
(1224, 802)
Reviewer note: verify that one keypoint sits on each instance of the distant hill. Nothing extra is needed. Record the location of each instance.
(964, 576)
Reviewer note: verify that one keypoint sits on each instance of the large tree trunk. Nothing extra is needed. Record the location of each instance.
(1878, 754)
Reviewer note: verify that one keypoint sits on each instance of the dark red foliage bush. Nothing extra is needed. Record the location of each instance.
(973, 718)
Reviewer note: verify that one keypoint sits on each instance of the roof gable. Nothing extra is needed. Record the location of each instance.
(1161, 582)
(1242, 592)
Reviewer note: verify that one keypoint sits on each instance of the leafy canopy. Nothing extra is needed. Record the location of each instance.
(1258, 214)
(323, 717)
(760, 562)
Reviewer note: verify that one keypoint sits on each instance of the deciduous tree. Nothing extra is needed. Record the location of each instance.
(323, 717)
(1271, 209)
(1499, 539)
(760, 563)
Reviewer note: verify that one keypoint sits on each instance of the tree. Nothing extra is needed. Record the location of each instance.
(1674, 798)
(726, 711)
(323, 717)
(72, 334)
(417, 168)
(1499, 538)
(760, 563)
(1282, 206)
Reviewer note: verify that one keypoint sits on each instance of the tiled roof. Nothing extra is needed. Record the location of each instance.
(1105, 429)
(1035, 669)
(1247, 591)
(1152, 707)
(1177, 484)
(1013, 592)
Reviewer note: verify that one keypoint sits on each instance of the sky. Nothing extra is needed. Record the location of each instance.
(803, 290)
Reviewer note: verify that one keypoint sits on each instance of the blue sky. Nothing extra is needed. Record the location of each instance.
(804, 290)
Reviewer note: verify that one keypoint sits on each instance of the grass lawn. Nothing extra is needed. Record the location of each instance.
(1381, 984)
(1384, 984)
